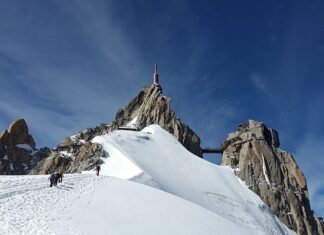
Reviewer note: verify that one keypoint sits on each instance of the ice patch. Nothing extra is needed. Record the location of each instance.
(73, 137)
(66, 154)
(133, 123)
(265, 172)
(25, 146)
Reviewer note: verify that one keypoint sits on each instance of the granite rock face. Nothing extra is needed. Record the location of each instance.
(75, 153)
(253, 152)
(18, 152)
(77, 159)
(151, 107)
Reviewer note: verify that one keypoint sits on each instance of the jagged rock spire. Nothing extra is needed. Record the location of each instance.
(151, 107)
(18, 150)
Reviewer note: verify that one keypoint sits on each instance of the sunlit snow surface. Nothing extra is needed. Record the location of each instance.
(177, 193)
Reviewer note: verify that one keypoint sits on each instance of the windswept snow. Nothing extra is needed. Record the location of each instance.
(168, 191)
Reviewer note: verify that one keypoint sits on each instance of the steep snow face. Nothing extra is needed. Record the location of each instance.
(117, 164)
(175, 170)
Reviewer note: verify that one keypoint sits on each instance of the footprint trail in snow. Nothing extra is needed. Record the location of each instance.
(35, 208)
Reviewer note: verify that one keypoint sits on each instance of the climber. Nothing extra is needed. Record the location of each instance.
(56, 177)
(98, 170)
(60, 176)
(51, 179)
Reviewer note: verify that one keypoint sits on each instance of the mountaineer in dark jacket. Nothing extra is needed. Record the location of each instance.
(56, 177)
(51, 179)
(98, 170)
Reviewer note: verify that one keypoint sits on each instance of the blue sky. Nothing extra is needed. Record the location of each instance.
(69, 65)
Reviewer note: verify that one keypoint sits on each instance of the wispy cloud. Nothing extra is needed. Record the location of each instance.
(57, 91)
(107, 37)
(259, 82)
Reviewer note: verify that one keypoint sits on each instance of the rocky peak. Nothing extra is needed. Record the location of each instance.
(254, 130)
(150, 106)
(18, 149)
(253, 152)
(17, 133)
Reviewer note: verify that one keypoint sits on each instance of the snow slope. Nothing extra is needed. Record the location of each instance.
(175, 170)
(169, 191)
(87, 204)
(131, 208)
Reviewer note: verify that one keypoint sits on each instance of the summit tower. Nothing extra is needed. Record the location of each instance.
(155, 76)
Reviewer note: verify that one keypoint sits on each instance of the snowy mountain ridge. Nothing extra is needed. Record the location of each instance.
(170, 191)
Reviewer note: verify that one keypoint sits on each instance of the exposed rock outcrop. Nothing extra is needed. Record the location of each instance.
(85, 157)
(18, 152)
(151, 107)
(17, 133)
(253, 152)
(75, 153)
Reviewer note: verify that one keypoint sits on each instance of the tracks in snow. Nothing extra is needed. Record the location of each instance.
(29, 206)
